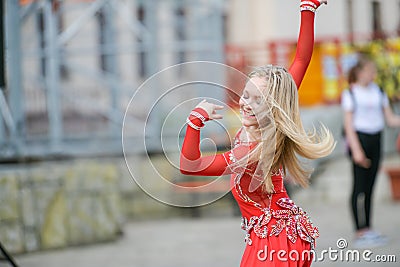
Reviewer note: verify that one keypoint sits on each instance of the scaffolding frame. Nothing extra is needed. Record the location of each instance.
(38, 22)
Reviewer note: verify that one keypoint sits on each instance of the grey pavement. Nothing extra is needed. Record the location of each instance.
(218, 241)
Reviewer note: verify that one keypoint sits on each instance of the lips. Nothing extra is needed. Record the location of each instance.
(248, 114)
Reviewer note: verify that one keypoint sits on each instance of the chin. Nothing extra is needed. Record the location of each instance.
(247, 123)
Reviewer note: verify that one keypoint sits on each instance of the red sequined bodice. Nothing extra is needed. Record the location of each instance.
(269, 214)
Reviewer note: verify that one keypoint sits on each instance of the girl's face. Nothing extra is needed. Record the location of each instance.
(250, 102)
(368, 73)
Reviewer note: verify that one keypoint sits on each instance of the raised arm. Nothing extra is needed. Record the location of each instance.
(305, 43)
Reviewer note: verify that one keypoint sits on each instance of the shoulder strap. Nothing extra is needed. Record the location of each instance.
(382, 96)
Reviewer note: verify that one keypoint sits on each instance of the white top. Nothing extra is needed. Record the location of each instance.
(368, 116)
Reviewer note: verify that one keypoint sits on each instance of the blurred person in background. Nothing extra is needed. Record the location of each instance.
(366, 107)
(265, 150)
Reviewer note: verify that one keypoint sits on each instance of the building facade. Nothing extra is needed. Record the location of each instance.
(258, 21)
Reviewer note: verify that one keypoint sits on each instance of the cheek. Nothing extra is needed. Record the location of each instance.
(257, 108)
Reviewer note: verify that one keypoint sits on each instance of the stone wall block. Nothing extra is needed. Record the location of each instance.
(12, 238)
(27, 206)
(54, 231)
(32, 242)
(9, 209)
(81, 219)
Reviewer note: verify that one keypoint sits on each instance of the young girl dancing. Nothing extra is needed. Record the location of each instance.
(278, 233)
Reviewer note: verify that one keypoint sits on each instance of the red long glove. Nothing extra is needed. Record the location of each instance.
(305, 46)
(191, 161)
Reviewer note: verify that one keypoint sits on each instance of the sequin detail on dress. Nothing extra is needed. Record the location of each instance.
(291, 218)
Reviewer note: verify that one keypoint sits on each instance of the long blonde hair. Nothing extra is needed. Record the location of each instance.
(282, 137)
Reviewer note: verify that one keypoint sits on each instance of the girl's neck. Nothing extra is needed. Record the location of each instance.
(363, 83)
(252, 133)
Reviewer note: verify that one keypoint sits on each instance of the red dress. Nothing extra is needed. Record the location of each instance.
(277, 232)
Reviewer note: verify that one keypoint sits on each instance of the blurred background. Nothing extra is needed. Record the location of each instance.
(75, 78)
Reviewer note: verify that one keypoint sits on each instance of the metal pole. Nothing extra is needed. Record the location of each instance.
(27, 11)
(151, 22)
(14, 85)
(2, 128)
(111, 66)
(2, 69)
(2, 56)
(75, 27)
(217, 24)
(6, 114)
(217, 55)
(53, 77)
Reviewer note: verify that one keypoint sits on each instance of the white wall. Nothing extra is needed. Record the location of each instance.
(263, 20)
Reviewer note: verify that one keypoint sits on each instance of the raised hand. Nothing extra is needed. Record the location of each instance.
(211, 109)
(311, 5)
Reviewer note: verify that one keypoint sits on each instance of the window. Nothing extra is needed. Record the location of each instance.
(377, 29)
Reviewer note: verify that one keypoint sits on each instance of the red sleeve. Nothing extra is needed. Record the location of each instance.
(191, 161)
(305, 45)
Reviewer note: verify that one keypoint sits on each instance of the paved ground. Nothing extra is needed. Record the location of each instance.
(219, 241)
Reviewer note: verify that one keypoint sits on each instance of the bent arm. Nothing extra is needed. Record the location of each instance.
(305, 46)
(191, 161)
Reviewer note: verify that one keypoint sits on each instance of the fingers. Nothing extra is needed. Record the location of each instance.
(216, 116)
(218, 107)
(365, 163)
(211, 109)
(205, 100)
